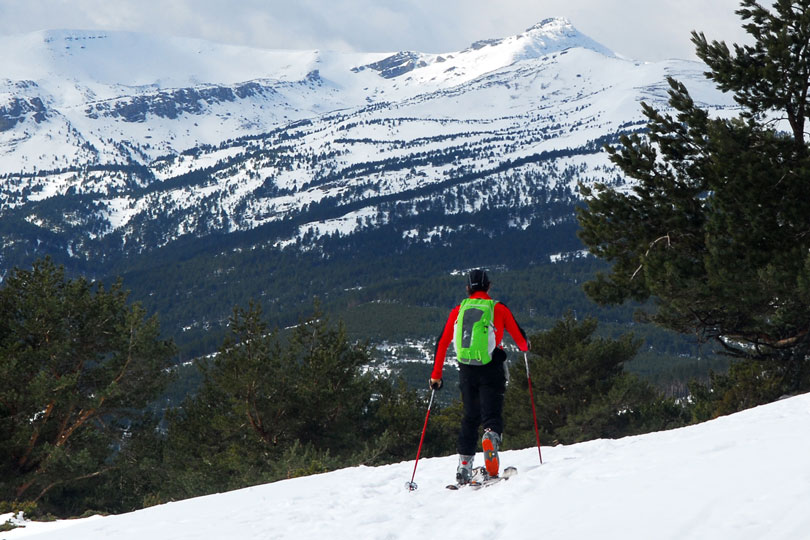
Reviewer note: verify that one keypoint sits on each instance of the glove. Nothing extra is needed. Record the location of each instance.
(436, 384)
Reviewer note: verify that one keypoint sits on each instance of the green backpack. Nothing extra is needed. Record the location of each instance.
(474, 334)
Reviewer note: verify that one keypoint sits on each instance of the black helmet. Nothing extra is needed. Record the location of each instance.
(478, 280)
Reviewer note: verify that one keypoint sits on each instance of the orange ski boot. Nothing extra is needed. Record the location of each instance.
(490, 443)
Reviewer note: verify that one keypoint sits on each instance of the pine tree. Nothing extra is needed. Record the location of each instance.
(79, 366)
(270, 406)
(715, 229)
(772, 74)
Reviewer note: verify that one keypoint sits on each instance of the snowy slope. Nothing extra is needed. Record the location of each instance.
(154, 94)
(745, 476)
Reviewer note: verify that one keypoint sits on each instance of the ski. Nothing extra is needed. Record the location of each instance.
(481, 479)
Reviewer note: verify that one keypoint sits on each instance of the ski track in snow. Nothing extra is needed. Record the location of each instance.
(744, 476)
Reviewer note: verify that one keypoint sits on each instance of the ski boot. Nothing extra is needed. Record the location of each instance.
(479, 476)
(490, 442)
(464, 471)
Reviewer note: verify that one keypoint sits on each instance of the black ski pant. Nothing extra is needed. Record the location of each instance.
(482, 391)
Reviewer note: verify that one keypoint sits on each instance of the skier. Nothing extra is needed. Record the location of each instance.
(476, 326)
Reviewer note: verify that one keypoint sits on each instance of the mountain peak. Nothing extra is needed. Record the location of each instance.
(552, 25)
(557, 33)
(549, 35)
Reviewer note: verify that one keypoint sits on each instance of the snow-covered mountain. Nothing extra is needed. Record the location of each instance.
(130, 154)
(150, 92)
(744, 476)
(132, 123)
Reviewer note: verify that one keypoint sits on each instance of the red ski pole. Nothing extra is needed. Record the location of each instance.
(412, 485)
(534, 411)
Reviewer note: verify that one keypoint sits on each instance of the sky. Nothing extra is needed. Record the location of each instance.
(745, 476)
(641, 29)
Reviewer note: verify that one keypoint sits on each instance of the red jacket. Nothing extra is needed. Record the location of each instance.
(504, 320)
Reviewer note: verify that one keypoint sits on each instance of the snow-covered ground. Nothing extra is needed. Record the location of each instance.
(745, 476)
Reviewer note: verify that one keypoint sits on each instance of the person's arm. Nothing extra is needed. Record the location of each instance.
(441, 346)
(511, 326)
